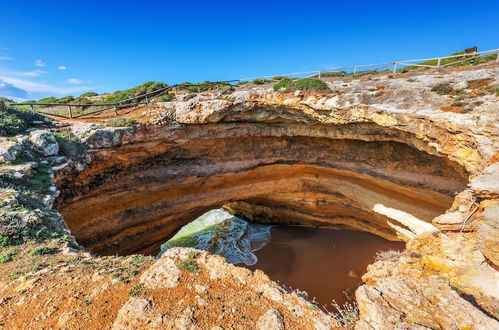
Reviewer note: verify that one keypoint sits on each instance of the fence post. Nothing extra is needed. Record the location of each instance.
(116, 110)
(70, 112)
(32, 107)
(438, 62)
(395, 67)
(319, 74)
(354, 70)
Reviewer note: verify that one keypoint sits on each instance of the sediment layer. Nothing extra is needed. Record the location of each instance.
(132, 197)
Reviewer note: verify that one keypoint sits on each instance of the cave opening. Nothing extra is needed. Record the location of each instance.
(134, 197)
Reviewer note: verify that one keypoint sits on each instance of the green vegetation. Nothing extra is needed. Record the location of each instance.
(494, 89)
(261, 81)
(14, 121)
(310, 84)
(88, 94)
(314, 307)
(453, 61)
(347, 315)
(136, 290)
(123, 122)
(6, 100)
(65, 137)
(145, 88)
(306, 84)
(42, 250)
(443, 89)
(456, 289)
(42, 175)
(50, 99)
(202, 87)
(190, 264)
(6, 257)
(66, 99)
(189, 96)
(166, 98)
(284, 86)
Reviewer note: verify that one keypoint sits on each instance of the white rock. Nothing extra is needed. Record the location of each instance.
(44, 142)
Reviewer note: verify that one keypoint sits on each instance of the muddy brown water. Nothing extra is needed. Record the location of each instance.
(318, 260)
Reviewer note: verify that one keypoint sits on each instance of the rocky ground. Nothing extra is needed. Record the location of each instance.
(446, 279)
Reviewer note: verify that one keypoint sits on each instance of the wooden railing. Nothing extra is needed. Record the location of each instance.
(144, 98)
(318, 74)
(394, 66)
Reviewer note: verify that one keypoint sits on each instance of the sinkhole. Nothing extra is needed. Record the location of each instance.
(369, 187)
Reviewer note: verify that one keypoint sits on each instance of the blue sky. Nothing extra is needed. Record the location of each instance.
(69, 47)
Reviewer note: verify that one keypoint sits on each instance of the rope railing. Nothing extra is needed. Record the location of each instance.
(395, 65)
(317, 73)
(116, 105)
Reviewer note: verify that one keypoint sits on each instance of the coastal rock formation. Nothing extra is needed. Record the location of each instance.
(383, 154)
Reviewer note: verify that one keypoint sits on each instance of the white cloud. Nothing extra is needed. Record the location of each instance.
(40, 63)
(12, 92)
(25, 86)
(74, 81)
(61, 67)
(37, 90)
(6, 58)
(34, 73)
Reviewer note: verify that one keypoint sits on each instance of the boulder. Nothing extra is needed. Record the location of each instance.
(44, 142)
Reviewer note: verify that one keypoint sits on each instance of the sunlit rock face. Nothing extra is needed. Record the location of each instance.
(387, 160)
(152, 180)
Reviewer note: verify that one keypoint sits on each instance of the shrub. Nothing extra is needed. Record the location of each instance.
(136, 290)
(122, 122)
(310, 84)
(65, 99)
(88, 94)
(190, 266)
(261, 81)
(166, 98)
(82, 100)
(306, 84)
(347, 315)
(14, 121)
(189, 96)
(284, 86)
(6, 257)
(6, 100)
(50, 99)
(42, 250)
(145, 88)
(443, 89)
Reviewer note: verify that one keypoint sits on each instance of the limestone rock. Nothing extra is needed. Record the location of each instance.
(163, 274)
(488, 231)
(138, 313)
(9, 150)
(487, 182)
(272, 319)
(395, 296)
(44, 142)
(18, 171)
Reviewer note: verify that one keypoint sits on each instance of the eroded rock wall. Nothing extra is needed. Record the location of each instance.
(133, 196)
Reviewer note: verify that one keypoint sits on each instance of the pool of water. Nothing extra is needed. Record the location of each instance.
(325, 263)
(319, 260)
